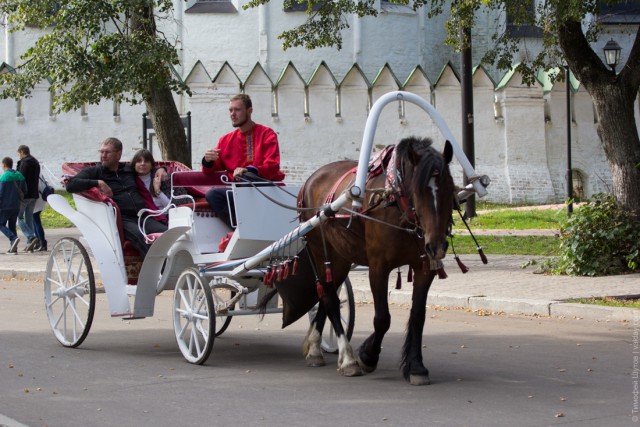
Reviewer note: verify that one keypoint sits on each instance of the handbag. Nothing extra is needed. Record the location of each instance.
(47, 190)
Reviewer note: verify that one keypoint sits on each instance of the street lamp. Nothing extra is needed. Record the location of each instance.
(612, 54)
(567, 78)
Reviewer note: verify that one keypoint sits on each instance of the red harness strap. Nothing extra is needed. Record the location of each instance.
(376, 166)
(332, 192)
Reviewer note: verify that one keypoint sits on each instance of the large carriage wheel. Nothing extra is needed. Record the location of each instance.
(329, 342)
(220, 296)
(69, 292)
(194, 319)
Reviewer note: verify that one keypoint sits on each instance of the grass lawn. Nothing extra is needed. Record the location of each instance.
(610, 302)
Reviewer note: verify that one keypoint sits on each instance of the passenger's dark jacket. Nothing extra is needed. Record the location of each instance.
(29, 167)
(122, 183)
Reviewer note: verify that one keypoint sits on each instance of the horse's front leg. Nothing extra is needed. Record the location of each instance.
(413, 368)
(369, 352)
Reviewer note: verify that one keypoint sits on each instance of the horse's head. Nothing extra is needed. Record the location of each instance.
(428, 183)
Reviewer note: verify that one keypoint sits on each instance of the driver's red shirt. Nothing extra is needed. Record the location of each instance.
(257, 148)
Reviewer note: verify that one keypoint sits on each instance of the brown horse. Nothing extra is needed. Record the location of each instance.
(405, 224)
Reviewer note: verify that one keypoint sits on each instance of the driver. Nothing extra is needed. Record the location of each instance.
(249, 153)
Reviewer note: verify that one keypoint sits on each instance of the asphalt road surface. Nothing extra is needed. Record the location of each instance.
(494, 370)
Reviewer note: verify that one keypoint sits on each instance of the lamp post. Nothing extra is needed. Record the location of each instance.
(612, 54)
(567, 74)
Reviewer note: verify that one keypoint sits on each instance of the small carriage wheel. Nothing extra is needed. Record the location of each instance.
(194, 319)
(223, 320)
(69, 292)
(329, 343)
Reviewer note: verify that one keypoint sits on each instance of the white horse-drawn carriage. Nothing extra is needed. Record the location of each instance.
(210, 284)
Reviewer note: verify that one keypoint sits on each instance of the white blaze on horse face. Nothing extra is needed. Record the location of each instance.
(432, 184)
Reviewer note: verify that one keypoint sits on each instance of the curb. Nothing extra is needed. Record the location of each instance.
(517, 306)
(30, 275)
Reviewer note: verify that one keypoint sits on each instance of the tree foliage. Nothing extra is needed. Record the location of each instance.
(599, 239)
(92, 50)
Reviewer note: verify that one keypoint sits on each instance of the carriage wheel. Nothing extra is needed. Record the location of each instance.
(220, 296)
(329, 342)
(69, 292)
(194, 318)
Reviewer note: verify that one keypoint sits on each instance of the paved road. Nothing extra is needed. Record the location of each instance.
(497, 370)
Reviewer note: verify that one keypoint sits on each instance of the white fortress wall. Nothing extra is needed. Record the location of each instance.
(318, 101)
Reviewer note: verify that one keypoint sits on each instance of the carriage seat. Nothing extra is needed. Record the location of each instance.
(197, 184)
(132, 259)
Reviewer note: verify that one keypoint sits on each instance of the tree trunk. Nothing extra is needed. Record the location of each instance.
(167, 124)
(617, 130)
(161, 106)
(613, 97)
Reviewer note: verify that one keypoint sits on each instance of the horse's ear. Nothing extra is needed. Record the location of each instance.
(413, 155)
(448, 152)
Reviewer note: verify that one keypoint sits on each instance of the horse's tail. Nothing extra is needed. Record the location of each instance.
(262, 305)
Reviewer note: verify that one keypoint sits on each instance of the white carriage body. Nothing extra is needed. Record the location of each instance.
(192, 239)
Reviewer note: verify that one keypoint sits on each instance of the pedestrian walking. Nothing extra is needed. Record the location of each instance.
(12, 187)
(29, 167)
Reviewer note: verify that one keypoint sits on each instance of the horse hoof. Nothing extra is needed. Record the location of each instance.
(366, 368)
(419, 380)
(351, 371)
(315, 361)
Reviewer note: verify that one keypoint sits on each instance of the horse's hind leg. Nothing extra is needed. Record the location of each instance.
(311, 346)
(347, 363)
(413, 368)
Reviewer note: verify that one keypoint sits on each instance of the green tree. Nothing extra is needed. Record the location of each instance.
(567, 27)
(91, 50)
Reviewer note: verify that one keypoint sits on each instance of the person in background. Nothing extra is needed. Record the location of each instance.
(38, 229)
(250, 153)
(11, 184)
(118, 181)
(29, 167)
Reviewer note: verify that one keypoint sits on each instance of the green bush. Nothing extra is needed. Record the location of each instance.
(599, 239)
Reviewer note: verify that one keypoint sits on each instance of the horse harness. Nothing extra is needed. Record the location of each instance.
(384, 162)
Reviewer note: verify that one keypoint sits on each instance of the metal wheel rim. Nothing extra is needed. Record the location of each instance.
(69, 292)
(193, 317)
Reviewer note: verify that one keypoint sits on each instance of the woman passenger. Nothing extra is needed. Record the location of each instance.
(150, 188)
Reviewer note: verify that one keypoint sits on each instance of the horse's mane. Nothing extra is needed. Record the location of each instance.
(429, 160)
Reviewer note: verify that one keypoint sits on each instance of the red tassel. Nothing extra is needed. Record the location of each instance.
(272, 279)
(287, 269)
(483, 257)
(294, 269)
(327, 272)
(441, 273)
(399, 281)
(280, 271)
(463, 267)
(319, 289)
(410, 275)
(267, 277)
